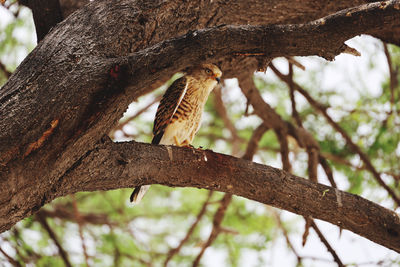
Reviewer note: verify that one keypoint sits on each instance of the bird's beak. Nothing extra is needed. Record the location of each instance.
(218, 79)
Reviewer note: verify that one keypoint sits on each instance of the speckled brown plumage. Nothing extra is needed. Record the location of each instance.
(180, 110)
(167, 107)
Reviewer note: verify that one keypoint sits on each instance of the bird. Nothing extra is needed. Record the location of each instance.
(179, 113)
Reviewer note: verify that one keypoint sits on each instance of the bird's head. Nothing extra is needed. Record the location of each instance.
(208, 74)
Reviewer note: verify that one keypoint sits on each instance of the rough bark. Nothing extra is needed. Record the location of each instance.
(77, 82)
(114, 165)
(279, 12)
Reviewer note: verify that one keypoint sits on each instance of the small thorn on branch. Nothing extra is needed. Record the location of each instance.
(351, 51)
(296, 63)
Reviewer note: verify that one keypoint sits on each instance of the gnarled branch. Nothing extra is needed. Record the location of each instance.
(115, 165)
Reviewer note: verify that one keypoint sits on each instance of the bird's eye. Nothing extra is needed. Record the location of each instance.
(208, 71)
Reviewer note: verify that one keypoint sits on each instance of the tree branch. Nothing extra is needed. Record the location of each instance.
(10, 259)
(219, 106)
(201, 213)
(392, 75)
(326, 243)
(4, 70)
(131, 164)
(217, 220)
(69, 6)
(278, 220)
(46, 14)
(255, 138)
(79, 221)
(42, 220)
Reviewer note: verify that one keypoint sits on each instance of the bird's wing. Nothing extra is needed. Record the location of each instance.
(167, 107)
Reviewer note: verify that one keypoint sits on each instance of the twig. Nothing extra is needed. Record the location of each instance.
(261, 108)
(392, 76)
(221, 110)
(229, 231)
(79, 221)
(10, 259)
(42, 220)
(284, 149)
(7, 7)
(201, 213)
(313, 160)
(226, 200)
(286, 235)
(62, 212)
(254, 139)
(121, 125)
(327, 245)
(295, 114)
(218, 217)
(351, 51)
(268, 115)
(343, 161)
(313, 156)
(4, 70)
(328, 171)
(20, 241)
(294, 62)
(130, 256)
(312, 146)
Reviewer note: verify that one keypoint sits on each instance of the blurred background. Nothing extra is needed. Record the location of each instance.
(357, 97)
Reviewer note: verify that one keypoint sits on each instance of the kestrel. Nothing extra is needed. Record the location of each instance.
(179, 113)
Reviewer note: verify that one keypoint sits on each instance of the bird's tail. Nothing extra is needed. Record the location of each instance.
(138, 193)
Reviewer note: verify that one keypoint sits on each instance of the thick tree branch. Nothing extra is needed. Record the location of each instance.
(46, 14)
(253, 12)
(131, 164)
(320, 37)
